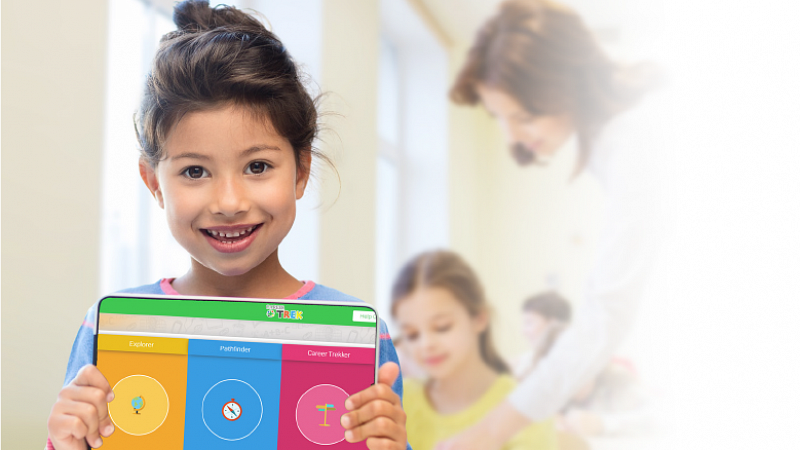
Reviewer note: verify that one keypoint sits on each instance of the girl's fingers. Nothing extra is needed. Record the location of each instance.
(89, 375)
(378, 391)
(97, 398)
(380, 427)
(67, 432)
(374, 443)
(87, 414)
(372, 410)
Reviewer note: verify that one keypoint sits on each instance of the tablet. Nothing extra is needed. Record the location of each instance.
(223, 373)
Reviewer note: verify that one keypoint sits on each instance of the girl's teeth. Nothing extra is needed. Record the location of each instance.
(232, 234)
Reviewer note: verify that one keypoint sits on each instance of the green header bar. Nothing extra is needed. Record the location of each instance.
(238, 310)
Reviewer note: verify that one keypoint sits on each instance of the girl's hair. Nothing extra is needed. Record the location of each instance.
(542, 54)
(446, 270)
(550, 305)
(557, 310)
(222, 56)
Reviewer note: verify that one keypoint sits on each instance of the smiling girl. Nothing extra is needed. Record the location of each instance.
(226, 129)
(440, 307)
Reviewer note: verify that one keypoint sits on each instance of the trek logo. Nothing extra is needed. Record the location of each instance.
(278, 311)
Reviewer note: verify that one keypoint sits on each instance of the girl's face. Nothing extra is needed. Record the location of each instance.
(438, 331)
(525, 133)
(534, 327)
(228, 183)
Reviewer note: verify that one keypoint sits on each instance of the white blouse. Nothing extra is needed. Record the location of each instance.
(627, 161)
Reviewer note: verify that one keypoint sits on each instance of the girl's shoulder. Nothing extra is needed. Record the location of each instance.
(414, 389)
(154, 288)
(324, 293)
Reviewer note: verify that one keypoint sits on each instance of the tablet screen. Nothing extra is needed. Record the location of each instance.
(219, 374)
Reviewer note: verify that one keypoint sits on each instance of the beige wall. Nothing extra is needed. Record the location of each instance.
(52, 89)
(351, 30)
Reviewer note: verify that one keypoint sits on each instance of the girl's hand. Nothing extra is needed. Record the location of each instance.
(80, 414)
(376, 414)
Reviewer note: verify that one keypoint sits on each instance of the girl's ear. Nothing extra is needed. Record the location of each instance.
(148, 174)
(481, 321)
(303, 172)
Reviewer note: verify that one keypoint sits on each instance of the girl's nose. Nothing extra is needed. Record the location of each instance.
(231, 198)
(426, 341)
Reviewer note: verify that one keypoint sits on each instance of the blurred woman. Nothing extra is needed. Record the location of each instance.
(539, 72)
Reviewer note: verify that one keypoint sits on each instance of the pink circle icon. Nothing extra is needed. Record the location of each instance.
(319, 413)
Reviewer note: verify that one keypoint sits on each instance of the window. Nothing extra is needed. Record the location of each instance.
(412, 206)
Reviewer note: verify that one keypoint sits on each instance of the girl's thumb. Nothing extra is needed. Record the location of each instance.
(387, 374)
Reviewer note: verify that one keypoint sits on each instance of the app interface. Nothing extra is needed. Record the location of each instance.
(197, 374)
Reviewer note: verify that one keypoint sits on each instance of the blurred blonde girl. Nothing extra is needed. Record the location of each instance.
(443, 316)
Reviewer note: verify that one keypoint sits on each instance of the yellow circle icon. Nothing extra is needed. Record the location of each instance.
(140, 405)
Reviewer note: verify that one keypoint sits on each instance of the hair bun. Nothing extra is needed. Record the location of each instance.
(195, 16)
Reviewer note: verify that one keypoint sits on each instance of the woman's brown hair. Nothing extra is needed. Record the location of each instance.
(221, 56)
(446, 270)
(542, 54)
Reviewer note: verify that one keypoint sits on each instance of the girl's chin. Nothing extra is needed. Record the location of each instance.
(228, 270)
(438, 371)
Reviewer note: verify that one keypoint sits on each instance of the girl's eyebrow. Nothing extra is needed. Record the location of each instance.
(258, 148)
(246, 152)
(190, 155)
(440, 315)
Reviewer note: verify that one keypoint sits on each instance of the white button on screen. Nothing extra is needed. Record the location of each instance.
(363, 316)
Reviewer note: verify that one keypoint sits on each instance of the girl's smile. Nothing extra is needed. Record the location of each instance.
(231, 239)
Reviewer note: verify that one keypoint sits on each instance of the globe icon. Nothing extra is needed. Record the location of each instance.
(137, 403)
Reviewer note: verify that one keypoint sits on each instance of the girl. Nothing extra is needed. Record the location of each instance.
(544, 317)
(539, 72)
(226, 129)
(440, 307)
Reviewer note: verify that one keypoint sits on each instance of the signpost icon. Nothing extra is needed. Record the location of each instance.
(325, 408)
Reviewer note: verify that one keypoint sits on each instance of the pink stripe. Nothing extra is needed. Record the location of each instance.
(49, 445)
(386, 337)
(318, 353)
(166, 286)
(88, 324)
(305, 289)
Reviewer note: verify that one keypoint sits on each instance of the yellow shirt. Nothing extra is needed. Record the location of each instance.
(426, 427)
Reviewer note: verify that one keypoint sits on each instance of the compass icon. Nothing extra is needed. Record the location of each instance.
(232, 410)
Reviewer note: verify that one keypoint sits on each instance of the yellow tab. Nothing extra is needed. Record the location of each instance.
(144, 344)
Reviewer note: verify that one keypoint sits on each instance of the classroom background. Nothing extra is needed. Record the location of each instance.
(416, 173)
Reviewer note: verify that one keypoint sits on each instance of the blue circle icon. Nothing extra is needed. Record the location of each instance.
(229, 419)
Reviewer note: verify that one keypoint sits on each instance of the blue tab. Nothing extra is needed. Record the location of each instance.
(234, 349)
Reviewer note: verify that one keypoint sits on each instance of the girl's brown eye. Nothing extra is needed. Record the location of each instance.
(194, 172)
(257, 167)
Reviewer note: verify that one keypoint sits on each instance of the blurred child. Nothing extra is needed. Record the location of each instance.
(443, 316)
(226, 129)
(613, 402)
(544, 317)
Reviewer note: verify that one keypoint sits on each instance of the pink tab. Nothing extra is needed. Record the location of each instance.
(320, 353)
